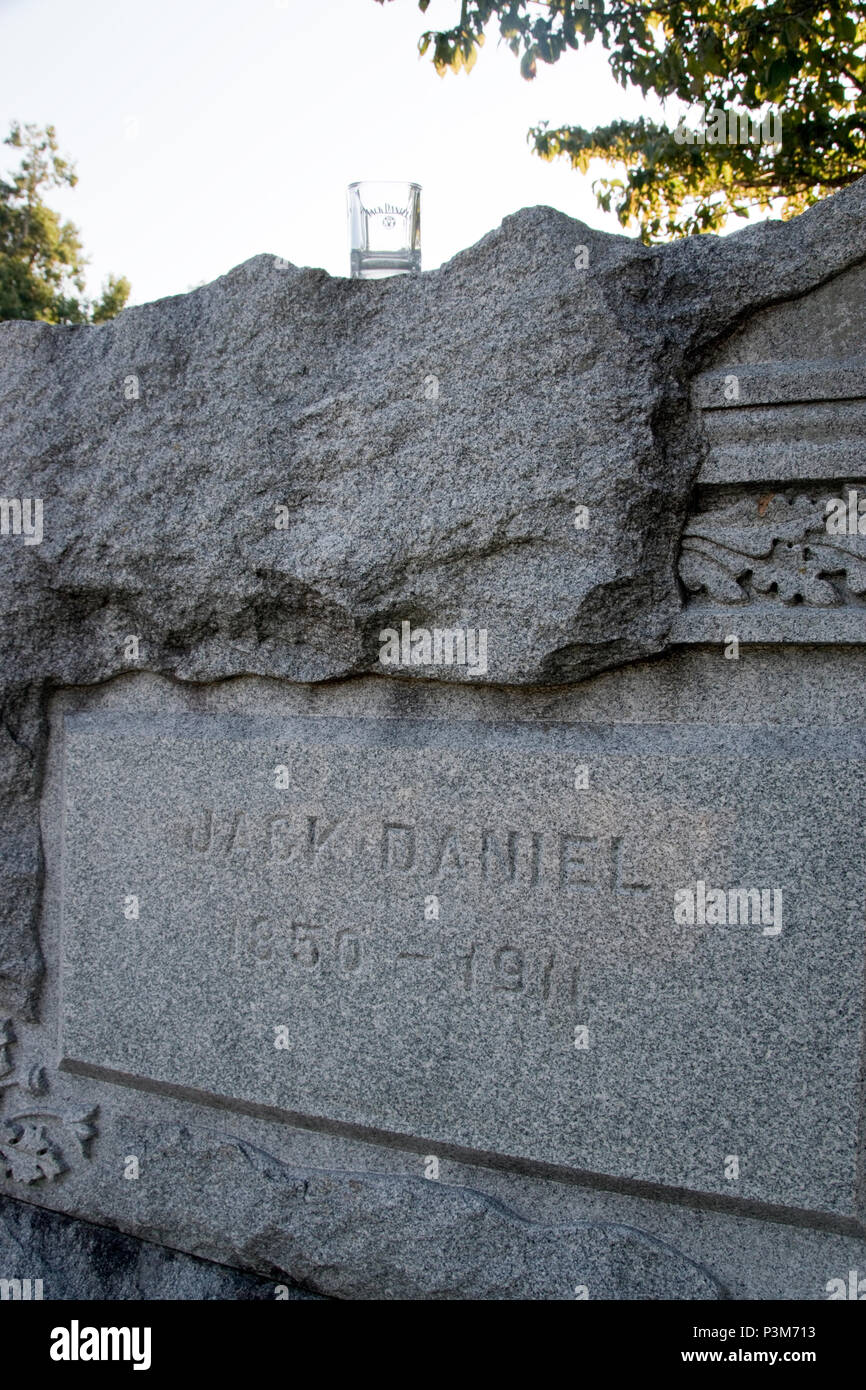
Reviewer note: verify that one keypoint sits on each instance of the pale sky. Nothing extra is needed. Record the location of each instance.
(207, 131)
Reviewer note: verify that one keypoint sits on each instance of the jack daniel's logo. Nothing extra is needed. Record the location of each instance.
(386, 209)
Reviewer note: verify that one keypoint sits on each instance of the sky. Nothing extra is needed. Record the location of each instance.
(205, 132)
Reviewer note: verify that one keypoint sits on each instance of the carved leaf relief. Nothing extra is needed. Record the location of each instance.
(774, 547)
(35, 1142)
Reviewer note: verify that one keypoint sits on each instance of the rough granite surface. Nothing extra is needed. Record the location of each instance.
(252, 481)
(353, 1212)
(78, 1260)
(430, 437)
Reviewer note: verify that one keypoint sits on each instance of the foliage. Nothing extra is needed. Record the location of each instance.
(805, 59)
(41, 257)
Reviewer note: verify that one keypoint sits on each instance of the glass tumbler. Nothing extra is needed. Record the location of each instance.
(384, 230)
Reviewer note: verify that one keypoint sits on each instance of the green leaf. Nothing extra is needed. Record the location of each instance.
(807, 62)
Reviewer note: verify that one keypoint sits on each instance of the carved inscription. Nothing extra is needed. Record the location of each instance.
(434, 931)
(471, 967)
(570, 861)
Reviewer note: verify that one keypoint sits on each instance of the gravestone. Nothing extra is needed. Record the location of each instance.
(432, 771)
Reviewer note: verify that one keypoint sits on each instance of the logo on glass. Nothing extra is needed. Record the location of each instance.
(384, 230)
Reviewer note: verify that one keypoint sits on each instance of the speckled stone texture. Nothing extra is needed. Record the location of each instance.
(452, 1018)
(366, 979)
(162, 443)
(45, 1257)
